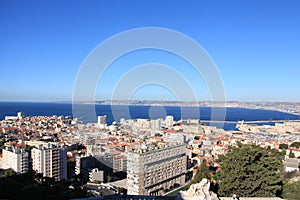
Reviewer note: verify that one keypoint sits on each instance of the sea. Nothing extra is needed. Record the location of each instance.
(144, 112)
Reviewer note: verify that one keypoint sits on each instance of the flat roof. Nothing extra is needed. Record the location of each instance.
(121, 183)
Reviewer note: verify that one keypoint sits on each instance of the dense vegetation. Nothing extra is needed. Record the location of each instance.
(250, 171)
(295, 144)
(34, 186)
(286, 146)
(291, 190)
(283, 146)
(202, 172)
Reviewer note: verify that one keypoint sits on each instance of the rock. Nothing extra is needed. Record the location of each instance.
(198, 191)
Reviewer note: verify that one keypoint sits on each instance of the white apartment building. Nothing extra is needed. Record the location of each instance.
(102, 121)
(156, 124)
(15, 158)
(119, 163)
(169, 121)
(153, 170)
(50, 160)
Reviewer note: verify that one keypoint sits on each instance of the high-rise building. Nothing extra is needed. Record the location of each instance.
(154, 170)
(169, 121)
(15, 158)
(84, 164)
(102, 121)
(119, 163)
(156, 124)
(20, 114)
(50, 160)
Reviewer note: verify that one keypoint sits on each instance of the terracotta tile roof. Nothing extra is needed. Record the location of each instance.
(169, 130)
(109, 146)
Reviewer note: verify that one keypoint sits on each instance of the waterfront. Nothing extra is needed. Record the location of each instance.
(65, 109)
(164, 145)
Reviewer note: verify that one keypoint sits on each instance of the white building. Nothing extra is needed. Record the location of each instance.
(193, 121)
(169, 121)
(119, 163)
(102, 122)
(15, 158)
(153, 170)
(174, 138)
(96, 175)
(156, 124)
(122, 121)
(291, 165)
(19, 115)
(50, 160)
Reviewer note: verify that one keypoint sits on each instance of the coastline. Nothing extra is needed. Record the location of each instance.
(285, 107)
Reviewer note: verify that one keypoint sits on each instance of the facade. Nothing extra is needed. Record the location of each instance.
(154, 170)
(119, 163)
(50, 160)
(169, 121)
(156, 124)
(15, 158)
(87, 140)
(84, 165)
(96, 175)
(174, 138)
(292, 165)
(102, 121)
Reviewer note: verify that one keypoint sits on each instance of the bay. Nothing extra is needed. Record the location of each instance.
(146, 112)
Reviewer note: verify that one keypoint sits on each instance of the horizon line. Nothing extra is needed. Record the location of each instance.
(144, 101)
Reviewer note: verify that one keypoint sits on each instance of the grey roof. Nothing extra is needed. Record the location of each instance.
(292, 162)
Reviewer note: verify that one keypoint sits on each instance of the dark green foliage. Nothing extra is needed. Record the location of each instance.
(7, 173)
(277, 154)
(291, 154)
(291, 191)
(202, 172)
(2, 141)
(28, 149)
(283, 146)
(34, 186)
(250, 171)
(295, 144)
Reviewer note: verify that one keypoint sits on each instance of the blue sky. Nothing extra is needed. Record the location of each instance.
(255, 45)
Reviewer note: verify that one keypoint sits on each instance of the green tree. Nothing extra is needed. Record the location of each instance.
(283, 146)
(202, 172)
(295, 144)
(7, 173)
(250, 171)
(25, 186)
(291, 154)
(2, 141)
(291, 191)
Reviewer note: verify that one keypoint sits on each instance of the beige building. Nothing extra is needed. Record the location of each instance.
(154, 170)
(119, 163)
(50, 160)
(96, 175)
(15, 158)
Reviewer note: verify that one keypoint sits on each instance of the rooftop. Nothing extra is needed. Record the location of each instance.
(152, 148)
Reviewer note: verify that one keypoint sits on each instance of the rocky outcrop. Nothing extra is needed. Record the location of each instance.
(198, 191)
